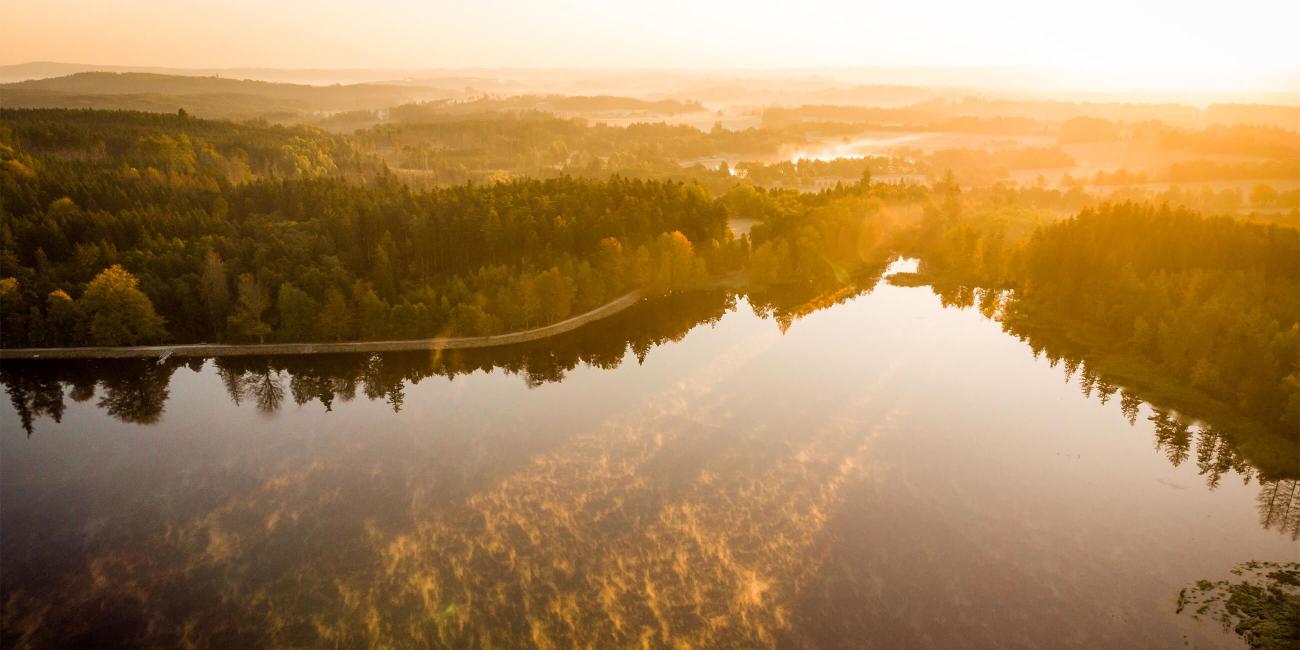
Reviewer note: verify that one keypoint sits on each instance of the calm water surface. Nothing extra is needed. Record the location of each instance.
(885, 473)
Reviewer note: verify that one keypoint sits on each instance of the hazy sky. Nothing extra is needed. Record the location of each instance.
(1189, 44)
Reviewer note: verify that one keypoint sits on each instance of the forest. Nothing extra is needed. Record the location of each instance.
(203, 231)
(1200, 313)
(128, 228)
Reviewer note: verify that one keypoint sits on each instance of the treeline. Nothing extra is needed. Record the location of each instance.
(1240, 140)
(136, 390)
(1168, 127)
(1208, 170)
(935, 115)
(1192, 171)
(1246, 205)
(805, 172)
(482, 146)
(455, 148)
(338, 257)
(1236, 140)
(105, 160)
(820, 239)
(323, 259)
(147, 236)
(207, 96)
(982, 167)
(1211, 304)
(574, 104)
(1038, 115)
(1214, 302)
(969, 166)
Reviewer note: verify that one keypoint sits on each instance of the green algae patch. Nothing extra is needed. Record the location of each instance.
(1263, 608)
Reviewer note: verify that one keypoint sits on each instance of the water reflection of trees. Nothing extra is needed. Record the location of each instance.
(1279, 506)
(136, 390)
(131, 390)
(1177, 438)
(262, 384)
(137, 396)
(787, 304)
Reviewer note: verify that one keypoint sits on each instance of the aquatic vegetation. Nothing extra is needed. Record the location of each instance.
(1263, 608)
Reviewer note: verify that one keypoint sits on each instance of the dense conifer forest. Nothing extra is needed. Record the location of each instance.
(1189, 305)
(205, 231)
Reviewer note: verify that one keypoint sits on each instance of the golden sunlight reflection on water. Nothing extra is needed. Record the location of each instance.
(886, 473)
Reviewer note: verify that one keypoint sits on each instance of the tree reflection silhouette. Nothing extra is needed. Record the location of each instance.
(33, 396)
(1175, 437)
(1279, 506)
(262, 384)
(136, 390)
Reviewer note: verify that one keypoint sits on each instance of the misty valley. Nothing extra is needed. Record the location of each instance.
(553, 359)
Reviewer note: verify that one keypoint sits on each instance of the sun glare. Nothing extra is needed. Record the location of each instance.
(1106, 45)
(667, 324)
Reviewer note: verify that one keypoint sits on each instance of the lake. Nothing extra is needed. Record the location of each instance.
(882, 471)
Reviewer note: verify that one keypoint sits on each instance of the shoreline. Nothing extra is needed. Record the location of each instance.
(402, 345)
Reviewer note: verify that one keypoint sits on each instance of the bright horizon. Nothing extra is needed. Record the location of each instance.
(1112, 46)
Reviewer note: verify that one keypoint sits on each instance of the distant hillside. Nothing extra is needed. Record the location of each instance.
(44, 69)
(218, 97)
(211, 106)
(557, 104)
(69, 149)
(214, 97)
